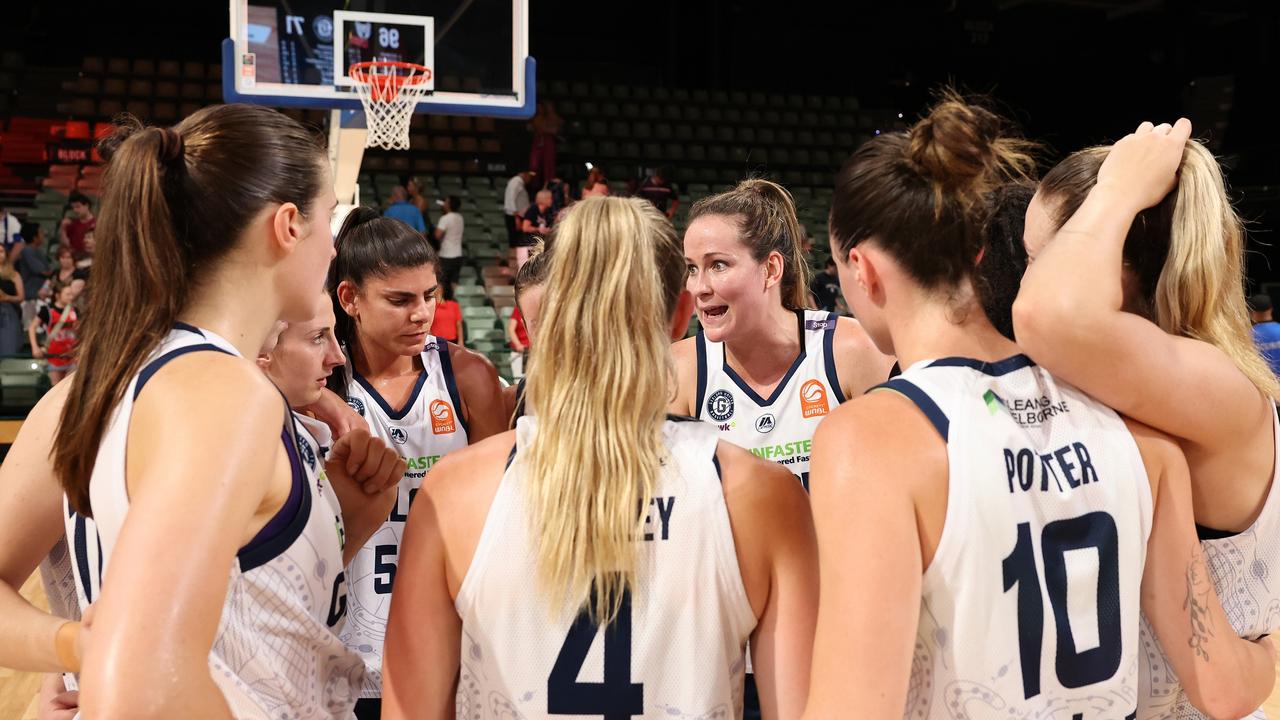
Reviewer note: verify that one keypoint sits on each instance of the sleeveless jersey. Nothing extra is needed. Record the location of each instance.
(276, 653)
(1240, 567)
(429, 425)
(1030, 606)
(671, 653)
(778, 428)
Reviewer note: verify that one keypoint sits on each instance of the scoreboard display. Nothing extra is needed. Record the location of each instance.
(306, 42)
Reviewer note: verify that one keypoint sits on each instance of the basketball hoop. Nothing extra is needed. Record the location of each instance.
(389, 91)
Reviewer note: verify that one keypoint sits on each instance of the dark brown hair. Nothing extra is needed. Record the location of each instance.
(1004, 258)
(767, 222)
(175, 201)
(1065, 188)
(368, 246)
(923, 194)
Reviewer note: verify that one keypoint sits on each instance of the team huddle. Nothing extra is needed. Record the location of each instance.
(1032, 479)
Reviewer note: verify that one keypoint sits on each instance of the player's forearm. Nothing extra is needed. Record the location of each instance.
(1233, 681)
(27, 634)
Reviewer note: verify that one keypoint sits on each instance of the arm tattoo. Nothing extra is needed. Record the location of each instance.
(1197, 603)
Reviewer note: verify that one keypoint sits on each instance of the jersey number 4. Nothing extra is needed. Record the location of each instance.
(1095, 530)
(617, 698)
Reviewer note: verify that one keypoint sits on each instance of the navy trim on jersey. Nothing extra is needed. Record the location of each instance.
(446, 365)
(715, 460)
(512, 457)
(1204, 532)
(382, 403)
(154, 366)
(189, 328)
(681, 418)
(999, 367)
(285, 526)
(519, 409)
(81, 543)
(912, 392)
(782, 384)
(829, 356)
(702, 372)
(894, 371)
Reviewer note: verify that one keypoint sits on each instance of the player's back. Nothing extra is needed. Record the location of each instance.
(1031, 601)
(676, 648)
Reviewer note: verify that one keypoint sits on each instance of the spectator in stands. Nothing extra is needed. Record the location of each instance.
(67, 273)
(11, 237)
(419, 200)
(515, 200)
(595, 185)
(72, 231)
(84, 262)
(825, 287)
(560, 196)
(535, 223)
(447, 323)
(33, 266)
(11, 295)
(449, 235)
(57, 322)
(1266, 332)
(658, 190)
(546, 126)
(404, 211)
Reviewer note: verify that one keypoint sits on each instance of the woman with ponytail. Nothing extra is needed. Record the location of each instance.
(975, 513)
(763, 367)
(602, 515)
(425, 397)
(1158, 329)
(184, 455)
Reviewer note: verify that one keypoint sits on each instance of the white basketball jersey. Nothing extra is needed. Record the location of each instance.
(1240, 566)
(1030, 606)
(428, 426)
(780, 427)
(276, 653)
(676, 649)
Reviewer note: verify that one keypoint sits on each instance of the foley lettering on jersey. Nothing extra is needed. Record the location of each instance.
(661, 530)
(1028, 469)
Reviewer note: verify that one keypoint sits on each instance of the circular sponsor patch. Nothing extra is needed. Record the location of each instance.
(399, 435)
(323, 27)
(356, 404)
(765, 423)
(720, 405)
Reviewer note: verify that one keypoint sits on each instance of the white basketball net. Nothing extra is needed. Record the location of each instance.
(389, 94)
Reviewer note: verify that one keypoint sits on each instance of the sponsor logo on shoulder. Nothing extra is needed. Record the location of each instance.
(823, 324)
(442, 421)
(813, 399)
(720, 405)
(356, 404)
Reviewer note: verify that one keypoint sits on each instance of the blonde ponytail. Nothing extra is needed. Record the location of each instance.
(615, 275)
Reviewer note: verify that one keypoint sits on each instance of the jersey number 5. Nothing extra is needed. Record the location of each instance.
(617, 698)
(1095, 530)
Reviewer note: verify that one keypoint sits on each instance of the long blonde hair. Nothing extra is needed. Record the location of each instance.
(1187, 253)
(597, 384)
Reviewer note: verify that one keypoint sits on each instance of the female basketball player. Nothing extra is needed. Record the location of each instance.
(210, 231)
(1160, 332)
(1005, 501)
(762, 367)
(530, 283)
(423, 396)
(556, 500)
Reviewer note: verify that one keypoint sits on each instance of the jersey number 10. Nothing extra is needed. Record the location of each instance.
(1074, 669)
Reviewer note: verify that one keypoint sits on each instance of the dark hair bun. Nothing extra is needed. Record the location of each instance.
(957, 141)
